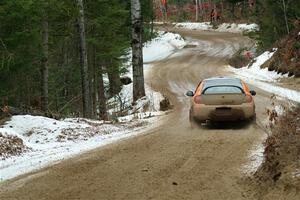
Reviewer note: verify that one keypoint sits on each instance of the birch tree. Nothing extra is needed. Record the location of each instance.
(137, 50)
(84, 62)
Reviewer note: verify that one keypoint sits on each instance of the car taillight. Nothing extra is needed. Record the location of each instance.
(197, 99)
(248, 98)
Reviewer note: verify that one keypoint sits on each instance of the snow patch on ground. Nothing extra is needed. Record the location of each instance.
(162, 46)
(225, 27)
(255, 159)
(280, 110)
(278, 91)
(254, 72)
(195, 25)
(264, 79)
(51, 141)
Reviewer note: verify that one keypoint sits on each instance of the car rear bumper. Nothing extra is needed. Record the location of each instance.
(203, 112)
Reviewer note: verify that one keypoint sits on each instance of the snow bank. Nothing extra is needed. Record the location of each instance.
(225, 27)
(39, 130)
(256, 157)
(162, 46)
(195, 26)
(50, 140)
(237, 28)
(278, 91)
(264, 79)
(254, 72)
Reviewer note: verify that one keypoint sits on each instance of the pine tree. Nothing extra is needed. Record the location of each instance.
(84, 62)
(44, 60)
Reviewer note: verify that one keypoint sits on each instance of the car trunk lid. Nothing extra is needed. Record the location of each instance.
(222, 99)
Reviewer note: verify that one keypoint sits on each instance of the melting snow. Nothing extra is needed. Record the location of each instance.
(225, 27)
(264, 79)
(52, 140)
(162, 46)
(254, 71)
(256, 157)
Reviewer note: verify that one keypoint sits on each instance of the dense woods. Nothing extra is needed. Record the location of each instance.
(57, 54)
(277, 18)
(66, 56)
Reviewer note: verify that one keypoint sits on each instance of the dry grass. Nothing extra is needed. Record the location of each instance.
(281, 155)
(287, 58)
(11, 146)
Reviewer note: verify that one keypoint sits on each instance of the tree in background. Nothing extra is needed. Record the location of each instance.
(40, 65)
(26, 47)
(84, 62)
(197, 10)
(44, 59)
(233, 5)
(276, 18)
(137, 50)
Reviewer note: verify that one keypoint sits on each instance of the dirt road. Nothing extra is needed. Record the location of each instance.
(169, 162)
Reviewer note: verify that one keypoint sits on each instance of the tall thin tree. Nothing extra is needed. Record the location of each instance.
(44, 60)
(84, 62)
(137, 50)
(197, 10)
(285, 17)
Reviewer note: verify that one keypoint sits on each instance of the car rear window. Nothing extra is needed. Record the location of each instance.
(223, 90)
(222, 85)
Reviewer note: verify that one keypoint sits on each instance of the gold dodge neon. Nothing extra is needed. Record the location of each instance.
(221, 99)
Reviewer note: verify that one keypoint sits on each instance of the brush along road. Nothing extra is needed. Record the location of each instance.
(172, 161)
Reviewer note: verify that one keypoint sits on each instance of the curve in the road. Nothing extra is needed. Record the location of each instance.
(171, 161)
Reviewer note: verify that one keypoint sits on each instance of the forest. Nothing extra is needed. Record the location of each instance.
(46, 67)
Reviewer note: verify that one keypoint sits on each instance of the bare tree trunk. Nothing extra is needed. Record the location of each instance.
(152, 17)
(44, 61)
(222, 8)
(65, 73)
(204, 13)
(95, 83)
(113, 78)
(91, 82)
(233, 10)
(201, 8)
(137, 50)
(197, 10)
(244, 10)
(84, 62)
(285, 17)
(101, 96)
